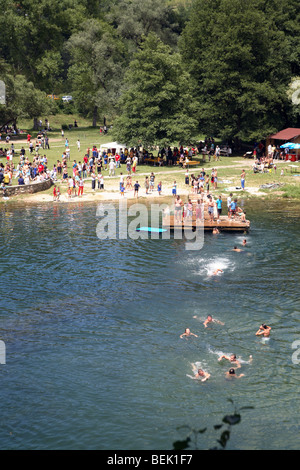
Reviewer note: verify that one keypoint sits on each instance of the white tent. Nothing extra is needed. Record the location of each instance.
(113, 146)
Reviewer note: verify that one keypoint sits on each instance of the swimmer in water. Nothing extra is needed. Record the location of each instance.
(232, 359)
(216, 231)
(210, 319)
(231, 373)
(200, 374)
(188, 333)
(217, 271)
(244, 242)
(264, 330)
(237, 249)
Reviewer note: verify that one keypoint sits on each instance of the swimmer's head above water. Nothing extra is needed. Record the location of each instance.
(231, 373)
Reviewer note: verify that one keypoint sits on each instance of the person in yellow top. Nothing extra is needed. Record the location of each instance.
(6, 179)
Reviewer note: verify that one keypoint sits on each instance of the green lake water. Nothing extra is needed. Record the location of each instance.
(91, 330)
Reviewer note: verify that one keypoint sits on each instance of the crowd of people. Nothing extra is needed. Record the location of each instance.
(266, 159)
(25, 172)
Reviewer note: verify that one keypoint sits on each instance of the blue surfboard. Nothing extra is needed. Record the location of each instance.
(151, 229)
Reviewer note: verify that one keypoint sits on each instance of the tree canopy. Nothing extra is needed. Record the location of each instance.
(232, 61)
(156, 105)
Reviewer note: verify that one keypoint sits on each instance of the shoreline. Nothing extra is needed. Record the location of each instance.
(112, 193)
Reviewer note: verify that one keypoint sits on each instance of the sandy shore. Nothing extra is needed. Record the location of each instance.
(112, 193)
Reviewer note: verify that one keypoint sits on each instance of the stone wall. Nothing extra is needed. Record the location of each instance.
(26, 188)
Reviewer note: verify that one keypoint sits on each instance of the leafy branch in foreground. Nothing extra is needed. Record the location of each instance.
(191, 441)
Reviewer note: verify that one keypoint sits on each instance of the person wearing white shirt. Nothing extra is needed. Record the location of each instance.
(112, 167)
(229, 203)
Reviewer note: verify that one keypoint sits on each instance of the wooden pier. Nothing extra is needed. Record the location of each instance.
(223, 224)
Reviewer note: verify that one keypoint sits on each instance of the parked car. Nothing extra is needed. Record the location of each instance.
(67, 98)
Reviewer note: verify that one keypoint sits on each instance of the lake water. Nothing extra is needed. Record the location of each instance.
(91, 329)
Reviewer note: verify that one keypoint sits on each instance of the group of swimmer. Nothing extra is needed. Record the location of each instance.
(202, 375)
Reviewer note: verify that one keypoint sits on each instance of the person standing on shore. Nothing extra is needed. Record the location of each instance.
(159, 186)
(216, 179)
(70, 186)
(80, 187)
(243, 177)
(207, 183)
(112, 167)
(147, 184)
(174, 189)
(136, 189)
(93, 176)
(152, 178)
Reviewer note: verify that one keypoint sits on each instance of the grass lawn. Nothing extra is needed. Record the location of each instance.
(229, 168)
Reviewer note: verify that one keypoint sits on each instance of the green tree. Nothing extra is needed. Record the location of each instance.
(97, 57)
(30, 28)
(235, 53)
(23, 100)
(134, 19)
(156, 105)
(50, 68)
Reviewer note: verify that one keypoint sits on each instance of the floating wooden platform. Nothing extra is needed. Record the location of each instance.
(224, 223)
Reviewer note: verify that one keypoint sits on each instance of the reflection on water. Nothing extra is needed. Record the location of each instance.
(92, 330)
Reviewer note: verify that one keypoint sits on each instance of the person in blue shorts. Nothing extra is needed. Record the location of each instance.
(136, 189)
(233, 206)
(243, 176)
(219, 206)
(174, 189)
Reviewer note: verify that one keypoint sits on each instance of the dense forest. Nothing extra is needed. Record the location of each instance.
(158, 70)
